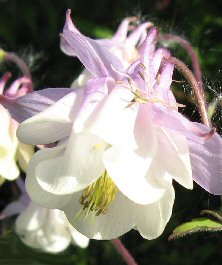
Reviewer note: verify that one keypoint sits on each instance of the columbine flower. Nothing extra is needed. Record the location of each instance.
(42, 229)
(11, 150)
(120, 143)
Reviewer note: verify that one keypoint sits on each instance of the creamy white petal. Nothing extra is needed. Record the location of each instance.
(36, 192)
(52, 124)
(77, 238)
(128, 171)
(31, 218)
(24, 154)
(78, 167)
(151, 219)
(118, 220)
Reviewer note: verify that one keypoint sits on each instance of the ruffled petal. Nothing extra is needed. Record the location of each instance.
(95, 57)
(95, 91)
(151, 219)
(118, 220)
(115, 120)
(206, 161)
(78, 167)
(51, 125)
(128, 172)
(35, 189)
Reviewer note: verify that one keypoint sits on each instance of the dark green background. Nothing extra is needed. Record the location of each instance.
(31, 29)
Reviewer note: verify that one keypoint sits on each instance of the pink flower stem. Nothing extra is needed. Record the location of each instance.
(12, 57)
(199, 94)
(193, 55)
(124, 252)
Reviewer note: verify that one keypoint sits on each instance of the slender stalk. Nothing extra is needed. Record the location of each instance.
(124, 252)
(12, 57)
(193, 55)
(199, 94)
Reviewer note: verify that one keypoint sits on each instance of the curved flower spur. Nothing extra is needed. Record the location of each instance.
(120, 142)
(11, 150)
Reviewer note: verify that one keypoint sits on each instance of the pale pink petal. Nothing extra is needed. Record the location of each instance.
(24, 107)
(145, 131)
(136, 34)
(95, 91)
(167, 117)
(52, 124)
(206, 161)
(173, 154)
(95, 57)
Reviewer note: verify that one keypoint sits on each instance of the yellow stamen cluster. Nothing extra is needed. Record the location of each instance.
(99, 195)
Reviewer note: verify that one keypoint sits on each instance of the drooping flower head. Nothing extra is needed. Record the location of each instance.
(120, 142)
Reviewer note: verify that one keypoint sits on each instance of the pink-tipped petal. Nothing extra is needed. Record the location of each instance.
(24, 107)
(206, 161)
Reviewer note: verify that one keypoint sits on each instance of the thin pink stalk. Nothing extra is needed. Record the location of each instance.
(12, 57)
(199, 94)
(193, 55)
(124, 252)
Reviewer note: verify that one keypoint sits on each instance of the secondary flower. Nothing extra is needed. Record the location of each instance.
(120, 143)
(11, 150)
(125, 45)
(42, 229)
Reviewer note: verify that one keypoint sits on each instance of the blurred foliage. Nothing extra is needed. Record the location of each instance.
(31, 29)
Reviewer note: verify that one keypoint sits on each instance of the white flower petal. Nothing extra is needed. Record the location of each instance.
(118, 220)
(128, 172)
(77, 238)
(35, 190)
(52, 124)
(174, 153)
(116, 119)
(78, 167)
(151, 219)
(31, 218)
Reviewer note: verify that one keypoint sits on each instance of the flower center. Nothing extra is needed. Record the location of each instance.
(99, 195)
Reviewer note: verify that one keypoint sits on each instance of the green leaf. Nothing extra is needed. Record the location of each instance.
(202, 224)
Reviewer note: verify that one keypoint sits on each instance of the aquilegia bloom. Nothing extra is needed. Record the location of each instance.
(42, 229)
(120, 143)
(11, 150)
